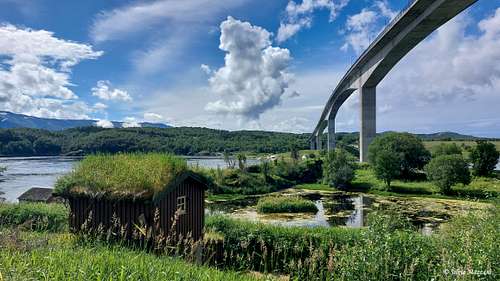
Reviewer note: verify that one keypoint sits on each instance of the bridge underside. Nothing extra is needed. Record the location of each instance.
(408, 29)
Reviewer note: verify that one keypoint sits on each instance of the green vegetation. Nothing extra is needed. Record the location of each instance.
(448, 170)
(389, 249)
(34, 216)
(122, 175)
(411, 152)
(446, 149)
(63, 257)
(338, 169)
(266, 177)
(270, 248)
(387, 166)
(479, 188)
(179, 141)
(285, 204)
(484, 158)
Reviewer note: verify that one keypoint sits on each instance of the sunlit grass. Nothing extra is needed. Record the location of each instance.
(128, 174)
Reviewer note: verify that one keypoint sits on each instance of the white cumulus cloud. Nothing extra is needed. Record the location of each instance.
(151, 116)
(299, 16)
(130, 122)
(363, 27)
(105, 91)
(254, 77)
(35, 69)
(104, 123)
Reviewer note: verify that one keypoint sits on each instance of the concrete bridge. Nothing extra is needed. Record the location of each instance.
(412, 25)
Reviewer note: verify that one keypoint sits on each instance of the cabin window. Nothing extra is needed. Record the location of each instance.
(181, 205)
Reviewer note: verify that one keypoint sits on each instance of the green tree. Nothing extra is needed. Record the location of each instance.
(338, 168)
(446, 149)
(448, 170)
(412, 154)
(387, 166)
(294, 152)
(484, 158)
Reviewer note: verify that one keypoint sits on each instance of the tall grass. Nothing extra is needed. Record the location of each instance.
(389, 249)
(128, 174)
(285, 204)
(60, 257)
(270, 248)
(34, 216)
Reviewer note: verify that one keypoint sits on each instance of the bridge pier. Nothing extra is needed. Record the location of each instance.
(312, 144)
(318, 141)
(368, 120)
(331, 133)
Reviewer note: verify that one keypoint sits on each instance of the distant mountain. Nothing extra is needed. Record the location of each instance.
(440, 136)
(9, 120)
(446, 136)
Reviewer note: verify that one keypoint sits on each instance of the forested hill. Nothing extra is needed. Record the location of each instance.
(179, 140)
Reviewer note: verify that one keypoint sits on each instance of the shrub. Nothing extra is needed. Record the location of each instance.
(484, 158)
(446, 149)
(448, 170)
(34, 216)
(387, 166)
(338, 169)
(413, 155)
(285, 204)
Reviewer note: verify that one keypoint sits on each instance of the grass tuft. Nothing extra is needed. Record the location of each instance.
(285, 204)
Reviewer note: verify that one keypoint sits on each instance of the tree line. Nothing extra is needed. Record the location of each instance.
(179, 140)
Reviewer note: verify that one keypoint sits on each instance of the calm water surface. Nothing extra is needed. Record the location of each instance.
(24, 173)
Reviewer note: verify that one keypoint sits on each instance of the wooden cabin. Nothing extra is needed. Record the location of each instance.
(174, 210)
(185, 196)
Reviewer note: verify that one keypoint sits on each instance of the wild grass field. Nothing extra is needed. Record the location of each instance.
(389, 249)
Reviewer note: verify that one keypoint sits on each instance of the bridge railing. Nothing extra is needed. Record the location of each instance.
(383, 32)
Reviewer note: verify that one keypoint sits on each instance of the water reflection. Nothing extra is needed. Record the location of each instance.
(339, 209)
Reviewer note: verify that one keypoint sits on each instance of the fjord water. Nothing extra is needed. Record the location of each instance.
(24, 173)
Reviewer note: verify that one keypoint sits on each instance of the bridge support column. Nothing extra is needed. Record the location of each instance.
(318, 141)
(368, 120)
(331, 134)
(313, 144)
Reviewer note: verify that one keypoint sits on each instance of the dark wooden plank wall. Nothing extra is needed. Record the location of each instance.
(128, 212)
(190, 223)
(103, 210)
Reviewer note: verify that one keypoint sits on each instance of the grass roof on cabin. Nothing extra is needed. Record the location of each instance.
(127, 175)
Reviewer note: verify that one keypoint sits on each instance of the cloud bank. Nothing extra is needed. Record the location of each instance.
(254, 77)
(35, 69)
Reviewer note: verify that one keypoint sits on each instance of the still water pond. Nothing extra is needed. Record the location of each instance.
(336, 209)
(25, 172)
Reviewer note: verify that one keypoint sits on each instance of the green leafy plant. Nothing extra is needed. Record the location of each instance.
(413, 155)
(484, 158)
(387, 166)
(448, 170)
(338, 168)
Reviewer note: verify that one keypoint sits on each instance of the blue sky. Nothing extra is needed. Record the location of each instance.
(241, 64)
